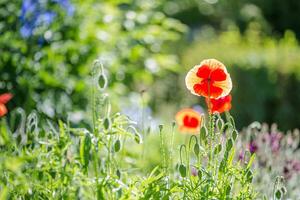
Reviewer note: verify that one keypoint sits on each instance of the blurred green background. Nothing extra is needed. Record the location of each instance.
(47, 49)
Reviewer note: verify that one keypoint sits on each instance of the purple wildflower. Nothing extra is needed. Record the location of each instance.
(296, 165)
(34, 13)
(194, 171)
(252, 147)
(275, 139)
(241, 156)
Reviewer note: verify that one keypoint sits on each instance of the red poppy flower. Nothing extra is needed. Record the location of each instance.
(4, 98)
(189, 121)
(220, 105)
(209, 79)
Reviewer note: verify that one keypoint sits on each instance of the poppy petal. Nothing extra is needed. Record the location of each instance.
(4, 98)
(226, 86)
(204, 71)
(206, 90)
(188, 121)
(3, 110)
(218, 75)
(213, 64)
(191, 79)
(220, 105)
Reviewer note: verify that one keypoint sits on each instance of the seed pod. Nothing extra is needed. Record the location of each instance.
(218, 149)
(196, 149)
(182, 170)
(117, 145)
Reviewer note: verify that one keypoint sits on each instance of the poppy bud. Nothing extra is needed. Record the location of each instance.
(117, 145)
(118, 172)
(220, 124)
(234, 135)
(182, 170)
(203, 134)
(278, 195)
(107, 123)
(102, 81)
(196, 149)
(160, 127)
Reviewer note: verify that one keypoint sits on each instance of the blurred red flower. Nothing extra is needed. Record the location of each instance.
(4, 98)
(220, 105)
(189, 121)
(209, 79)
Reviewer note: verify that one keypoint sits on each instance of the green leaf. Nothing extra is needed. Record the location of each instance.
(249, 176)
(231, 156)
(218, 149)
(229, 144)
(200, 174)
(251, 160)
(85, 146)
(118, 172)
(3, 193)
(228, 190)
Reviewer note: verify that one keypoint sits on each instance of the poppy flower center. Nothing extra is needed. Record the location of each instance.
(191, 122)
(206, 86)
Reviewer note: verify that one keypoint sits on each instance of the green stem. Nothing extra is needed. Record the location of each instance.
(211, 138)
(162, 147)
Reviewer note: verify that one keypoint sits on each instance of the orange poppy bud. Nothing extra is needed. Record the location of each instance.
(209, 79)
(4, 98)
(220, 105)
(189, 121)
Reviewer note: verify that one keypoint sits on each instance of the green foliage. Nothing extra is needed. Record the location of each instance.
(61, 162)
(48, 70)
(212, 172)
